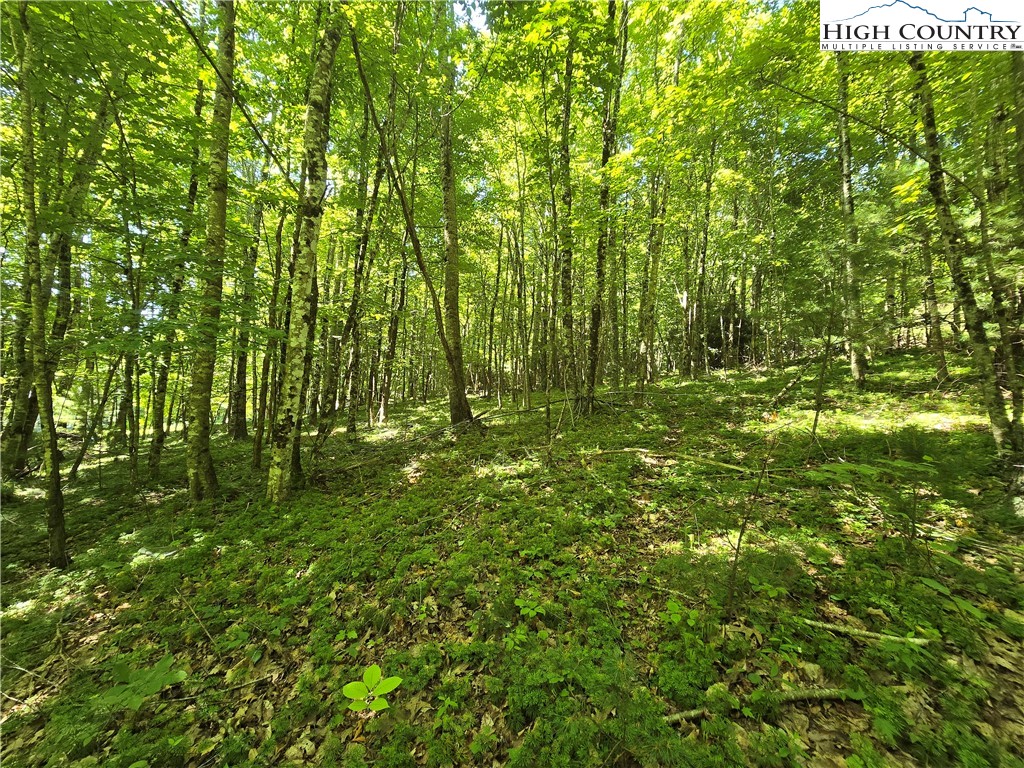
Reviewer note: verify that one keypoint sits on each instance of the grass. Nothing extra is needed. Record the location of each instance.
(546, 602)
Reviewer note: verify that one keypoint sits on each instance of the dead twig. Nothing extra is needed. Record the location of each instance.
(223, 690)
(189, 606)
(845, 630)
(782, 697)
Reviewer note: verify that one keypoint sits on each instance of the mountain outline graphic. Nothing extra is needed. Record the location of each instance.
(905, 4)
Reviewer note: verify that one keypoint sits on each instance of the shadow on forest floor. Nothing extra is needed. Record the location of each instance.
(546, 597)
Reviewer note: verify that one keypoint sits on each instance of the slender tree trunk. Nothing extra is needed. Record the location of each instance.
(58, 554)
(202, 478)
(454, 362)
(174, 300)
(1017, 78)
(647, 321)
(616, 61)
(956, 250)
(237, 424)
(15, 453)
(851, 260)
(270, 355)
(931, 302)
(94, 423)
(397, 312)
(565, 234)
(315, 137)
(699, 346)
(458, 404)
(55, 271)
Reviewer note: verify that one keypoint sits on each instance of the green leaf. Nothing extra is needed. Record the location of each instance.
(357, 706)
(970, 607)
(378, 704)
(356, 690)
(940, 588)
(122, 674)
(371, 676)
(387, 685)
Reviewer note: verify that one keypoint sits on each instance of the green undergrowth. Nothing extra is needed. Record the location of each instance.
(547, 597)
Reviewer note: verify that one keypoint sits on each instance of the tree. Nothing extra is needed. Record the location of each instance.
(202, 476)
(315, 137)
(38, 295)
(851, 257)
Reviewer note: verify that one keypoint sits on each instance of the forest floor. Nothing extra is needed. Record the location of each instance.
(545, 602)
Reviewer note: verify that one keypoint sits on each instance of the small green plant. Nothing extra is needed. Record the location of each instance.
(770, 590)
(516, 638)
(133, 686)
(529, 608)
(674, 613)
(368, 693)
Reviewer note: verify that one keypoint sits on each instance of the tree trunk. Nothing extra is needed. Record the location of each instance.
(647, 321)
(202, 478)
(90, 433)
(174, 300)
(58, 554)
(570, 376)
(851, 260)
(616, 63)
(935, 342)
(271, 353)
(397, 312)
(454, 363)
(315, 137)
(237, 424)
(955, 250)
(458, 403)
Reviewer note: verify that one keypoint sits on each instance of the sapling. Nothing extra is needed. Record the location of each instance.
(368, 693)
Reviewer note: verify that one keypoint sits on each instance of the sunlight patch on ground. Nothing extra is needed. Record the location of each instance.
(144, 556)
(16, 610)
(501, 470)
(128, 537)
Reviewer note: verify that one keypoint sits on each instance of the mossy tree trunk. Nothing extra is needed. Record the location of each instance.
(202, 478)
(956, 251)
(57, 537)
(301, 324)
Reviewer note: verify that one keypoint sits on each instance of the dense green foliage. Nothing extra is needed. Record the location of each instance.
(545, 597)
(247, 248)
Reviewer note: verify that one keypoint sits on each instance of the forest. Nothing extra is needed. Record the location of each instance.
(600, 383)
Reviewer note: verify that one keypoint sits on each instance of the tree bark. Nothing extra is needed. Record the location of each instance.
(237, 424)
(851, 255)
(202, 478)
(315, 138)
(458, 403)
(616, 63)
(956, 250)
(57, 537)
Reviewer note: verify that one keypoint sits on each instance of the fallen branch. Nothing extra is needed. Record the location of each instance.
(238, 687)
(782, 697)
(842, 629)
(193, 610)
(793, 382)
